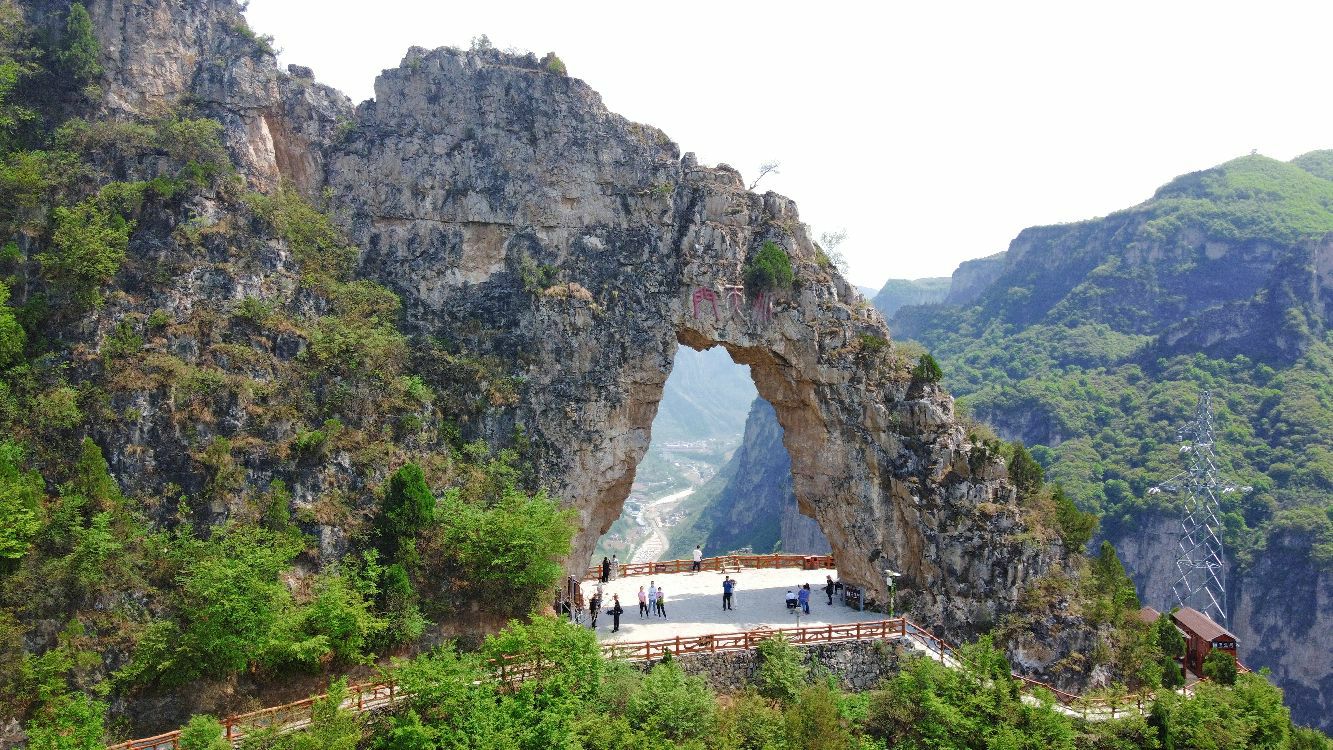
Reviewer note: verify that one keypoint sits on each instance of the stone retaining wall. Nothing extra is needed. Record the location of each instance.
(857, 665)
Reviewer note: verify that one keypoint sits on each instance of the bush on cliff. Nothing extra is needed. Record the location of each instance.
(770, 270)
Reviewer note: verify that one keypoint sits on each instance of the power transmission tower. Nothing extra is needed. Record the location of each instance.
(1201, 572)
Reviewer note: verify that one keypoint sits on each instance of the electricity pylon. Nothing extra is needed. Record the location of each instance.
(1201, 568)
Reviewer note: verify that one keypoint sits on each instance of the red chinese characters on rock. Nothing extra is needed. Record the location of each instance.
(701, 294)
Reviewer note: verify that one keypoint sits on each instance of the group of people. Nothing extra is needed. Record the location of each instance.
(595, 607)
(610, 567)
(653, 600)
(801, 596)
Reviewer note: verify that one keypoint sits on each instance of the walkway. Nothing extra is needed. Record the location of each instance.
(694, 603)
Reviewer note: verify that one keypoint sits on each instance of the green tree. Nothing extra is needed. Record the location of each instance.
(21, 494)
(927, 370)
(1111, 582)
(86, 250)
(1220, 667)
(769, 270)
(80, 50)
(12, 336)
(67, 722)
(1076, 527)
(507, 555)
(331, 726)
(203, 732)
(407, 509)
(782, 672)
(672, 706)
(1024, 472)
(814, 721)
(1172, 645)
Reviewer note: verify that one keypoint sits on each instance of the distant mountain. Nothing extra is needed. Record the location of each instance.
(707, 397)
(899, 292)
(1091, 341)
(750, 502)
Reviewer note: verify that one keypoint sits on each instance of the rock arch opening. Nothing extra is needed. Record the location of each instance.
(716, 473)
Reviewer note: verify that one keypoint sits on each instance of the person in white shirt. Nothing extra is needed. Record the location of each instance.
(698, 558)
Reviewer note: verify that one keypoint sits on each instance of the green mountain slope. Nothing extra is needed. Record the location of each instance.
(1092, 341)
(897, 293)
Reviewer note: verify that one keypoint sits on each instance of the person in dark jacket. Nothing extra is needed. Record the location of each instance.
(803, 596)
(594, 606)
(606, 569)
(616, 612)
(828, 589)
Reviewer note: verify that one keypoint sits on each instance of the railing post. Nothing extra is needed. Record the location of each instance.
(227, 726)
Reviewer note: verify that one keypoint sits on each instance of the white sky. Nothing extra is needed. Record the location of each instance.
(932, 131)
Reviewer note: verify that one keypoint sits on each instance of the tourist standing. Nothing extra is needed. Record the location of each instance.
(594, 606)
(728, 586)
(828, 589)
(616, 612)
(615, 568)
(661, 603)
(643, 603)
(698, 558)
(803, 598)
(652, 597)
(606, 569)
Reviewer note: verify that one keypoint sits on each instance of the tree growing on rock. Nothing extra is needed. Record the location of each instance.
(770, 270)
(408, 508)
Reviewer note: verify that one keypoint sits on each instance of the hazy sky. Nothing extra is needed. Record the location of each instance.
(931, 132)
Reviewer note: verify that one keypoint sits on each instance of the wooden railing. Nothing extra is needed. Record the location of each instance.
(509, 672)
(746, 640)
(663, 567)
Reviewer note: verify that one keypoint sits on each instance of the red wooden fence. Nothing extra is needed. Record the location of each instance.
(662, 567)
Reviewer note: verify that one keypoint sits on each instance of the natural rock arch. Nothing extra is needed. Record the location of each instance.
(517, 216)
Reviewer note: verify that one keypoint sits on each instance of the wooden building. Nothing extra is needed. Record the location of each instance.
(1202, 637)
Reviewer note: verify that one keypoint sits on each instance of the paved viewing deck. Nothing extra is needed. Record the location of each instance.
(694, 604)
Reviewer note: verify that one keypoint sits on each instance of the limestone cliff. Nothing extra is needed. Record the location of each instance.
(550, 257)
(518, 218)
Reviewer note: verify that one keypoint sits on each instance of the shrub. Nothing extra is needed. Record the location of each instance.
(872, 344)
(203, 732)
(1220, 667)
(79, 51)
(21, 494)
(86, 250)
(770, 270)
(554, 64)
(782, 671)
(927, 370)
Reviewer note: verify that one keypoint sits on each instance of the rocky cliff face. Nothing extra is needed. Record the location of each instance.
(525, 227)
(518, 218)
(1274, 631)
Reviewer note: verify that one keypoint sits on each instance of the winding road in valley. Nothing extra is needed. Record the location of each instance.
(656, 543)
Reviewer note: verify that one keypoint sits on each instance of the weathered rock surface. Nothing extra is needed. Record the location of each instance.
(522, 222)
(484, 188)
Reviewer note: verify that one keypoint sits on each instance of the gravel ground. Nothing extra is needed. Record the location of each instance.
(694, 604)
